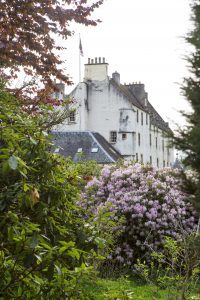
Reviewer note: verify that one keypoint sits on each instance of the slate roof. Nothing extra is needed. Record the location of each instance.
(126, 92)
(84, 145)
(155, 118)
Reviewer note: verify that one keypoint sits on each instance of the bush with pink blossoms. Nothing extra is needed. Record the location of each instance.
(152, 203)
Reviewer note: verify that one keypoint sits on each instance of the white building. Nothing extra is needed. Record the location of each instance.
(122, 114)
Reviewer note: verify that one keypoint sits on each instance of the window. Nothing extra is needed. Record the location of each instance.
(113, 136)
(163, 146)
(72, 116)
(124, 136)
(156, 142)
(157, 162)
(150, 139)
(141, 118)
(138, 139)
(163, 163)
(79, 150)
(94, 150)
(146, 119)
(136, 156)
(150, 160)
(137, 116)
(141, 158)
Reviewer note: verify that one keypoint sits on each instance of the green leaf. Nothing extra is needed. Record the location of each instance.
(26, 187)
(100, 242)
(33, 141)
(74, 253)
(24, 175)
(38, 257)
(34, 241)
(13, 162)
(58, 269)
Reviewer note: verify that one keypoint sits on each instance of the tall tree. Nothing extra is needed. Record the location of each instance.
(188, 139)
(27, 30)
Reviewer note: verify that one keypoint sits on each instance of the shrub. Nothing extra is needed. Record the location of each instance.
(44, 244)
(152, 203)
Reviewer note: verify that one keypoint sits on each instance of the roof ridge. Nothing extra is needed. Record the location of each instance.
(123, 89)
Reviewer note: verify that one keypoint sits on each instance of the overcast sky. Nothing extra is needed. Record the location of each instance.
(143, 41)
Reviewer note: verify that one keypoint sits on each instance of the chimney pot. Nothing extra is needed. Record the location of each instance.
(100, 60)
(92, 61)
(104, 60)
(88, 60)
(95, 60)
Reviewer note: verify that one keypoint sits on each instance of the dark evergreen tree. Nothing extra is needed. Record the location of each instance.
(188, 139)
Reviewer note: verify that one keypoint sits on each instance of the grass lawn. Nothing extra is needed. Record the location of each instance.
(125, 289)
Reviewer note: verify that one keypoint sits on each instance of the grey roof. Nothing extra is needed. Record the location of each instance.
(131, 95)
(155, 118)
(83, 146)
(126, 92)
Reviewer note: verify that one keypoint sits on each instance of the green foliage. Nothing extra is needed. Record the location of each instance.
(176, 269)
(87, 169)
(188, 138)
(124, 288)
(44, 244)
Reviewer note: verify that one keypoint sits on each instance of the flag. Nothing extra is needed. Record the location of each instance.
(80, 47)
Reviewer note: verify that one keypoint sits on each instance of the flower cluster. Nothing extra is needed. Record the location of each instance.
(152, 203)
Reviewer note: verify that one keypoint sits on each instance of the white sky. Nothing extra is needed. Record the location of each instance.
(143, 41)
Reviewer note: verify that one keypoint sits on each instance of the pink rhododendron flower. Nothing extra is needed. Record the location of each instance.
(150, 200)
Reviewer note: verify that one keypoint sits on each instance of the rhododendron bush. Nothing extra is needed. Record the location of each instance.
(152, 203)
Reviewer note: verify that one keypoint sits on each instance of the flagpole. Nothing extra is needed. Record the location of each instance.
(79, 59)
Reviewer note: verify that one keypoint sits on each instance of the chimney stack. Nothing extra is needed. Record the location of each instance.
(116, 77)
(138, 89)
(97, 69)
